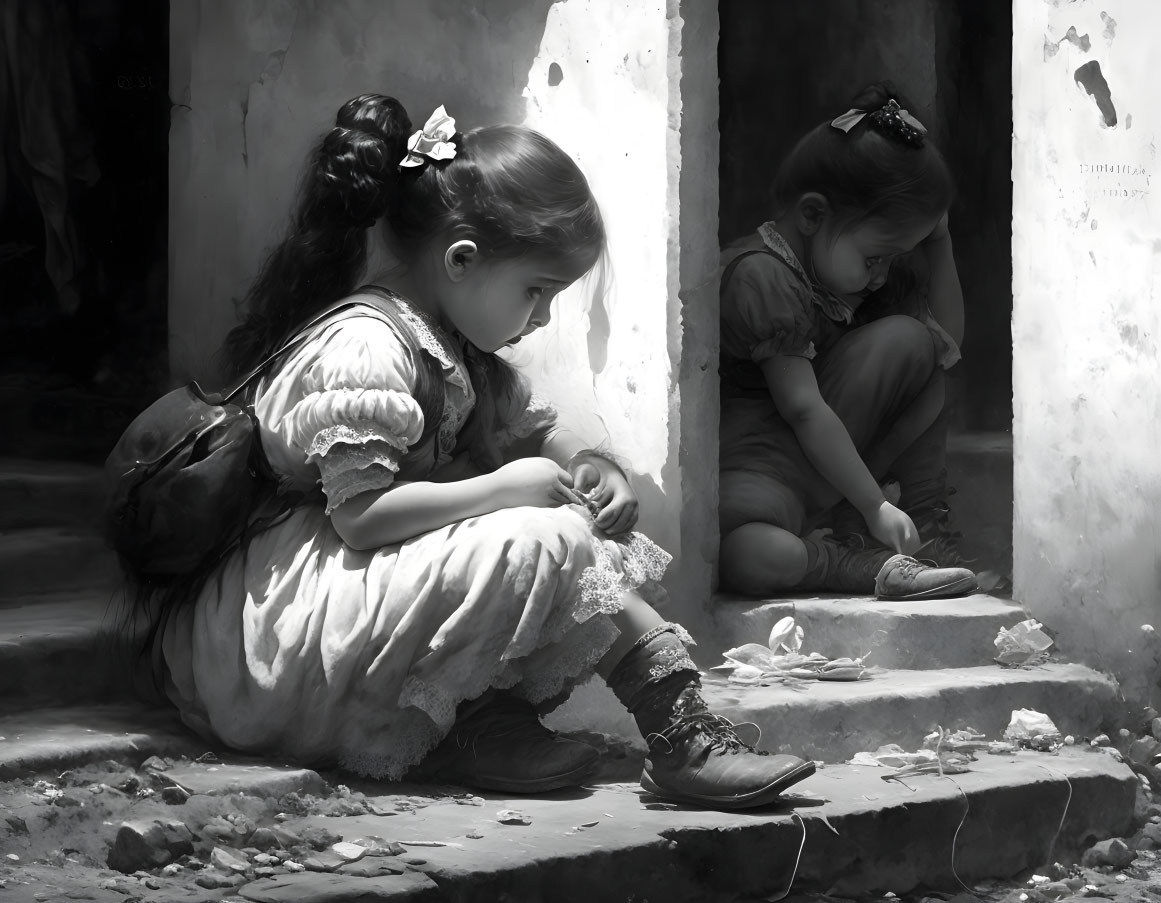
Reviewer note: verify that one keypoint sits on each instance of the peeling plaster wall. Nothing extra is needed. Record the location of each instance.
(256, 82)
(1087, 374)
(629, 89)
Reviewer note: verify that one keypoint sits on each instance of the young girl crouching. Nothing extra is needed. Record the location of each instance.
(817, 406)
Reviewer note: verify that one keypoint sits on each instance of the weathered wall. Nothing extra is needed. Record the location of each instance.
(629, 89)
(1087, 380)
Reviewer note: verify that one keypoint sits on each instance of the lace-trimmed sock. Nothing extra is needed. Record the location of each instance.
(694, 755)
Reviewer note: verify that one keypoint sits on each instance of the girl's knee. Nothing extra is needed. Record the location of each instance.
(759, 558)
(904, 338)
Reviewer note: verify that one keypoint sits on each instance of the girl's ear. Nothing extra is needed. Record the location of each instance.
(460, 256)
(811, 212)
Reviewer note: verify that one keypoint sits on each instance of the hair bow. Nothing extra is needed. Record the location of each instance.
(851, 118)
(433, 141)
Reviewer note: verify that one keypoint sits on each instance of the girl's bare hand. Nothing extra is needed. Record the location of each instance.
(893, 528)
(610, 494)
(536, 483)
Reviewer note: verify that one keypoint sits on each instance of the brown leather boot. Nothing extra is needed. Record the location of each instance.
(694, 756)
(498, 743)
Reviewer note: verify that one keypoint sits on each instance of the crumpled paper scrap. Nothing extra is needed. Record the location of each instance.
(1024, 644)
(1033, 730)
(753, 664)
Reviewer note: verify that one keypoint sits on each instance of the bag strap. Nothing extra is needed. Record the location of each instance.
(733, 264)
(300, 336)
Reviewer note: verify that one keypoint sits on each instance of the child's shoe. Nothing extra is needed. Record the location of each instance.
(498, 743)
(902, 577)
(851, 567)
(694, 756)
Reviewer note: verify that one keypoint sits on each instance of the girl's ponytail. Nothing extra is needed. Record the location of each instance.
(352, 180)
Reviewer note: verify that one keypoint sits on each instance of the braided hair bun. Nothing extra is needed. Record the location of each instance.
(358, 159)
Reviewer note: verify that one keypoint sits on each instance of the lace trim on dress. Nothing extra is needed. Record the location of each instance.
(574, 663)
(360, 432)
(349, 483)
(622, 564)
(538, 414)
(426, 332)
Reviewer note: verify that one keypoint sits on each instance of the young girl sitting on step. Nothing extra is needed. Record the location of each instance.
(816, 410)
(436, 593)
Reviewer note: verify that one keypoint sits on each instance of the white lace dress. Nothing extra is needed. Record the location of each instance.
(302, 647)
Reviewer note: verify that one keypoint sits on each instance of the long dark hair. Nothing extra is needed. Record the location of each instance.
(863, 173)
(508, 188)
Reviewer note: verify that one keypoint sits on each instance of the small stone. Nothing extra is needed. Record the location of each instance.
(215, 881)
(16, 824)
(1113, 852)
(370, 867)
(265, 871)
(175, 795)
(155, 763)
(152, 883)
(323, 862)
(291, 866)
(411, 860)
(149, 844)
(1070, 740)
(171, 870)
(351, 852)
(513, 817)
(12, 857)
(265, 859)
(1100, 740)
(228, 860)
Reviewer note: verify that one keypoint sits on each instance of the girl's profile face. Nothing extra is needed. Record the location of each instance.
(856, 260)
(501, 300)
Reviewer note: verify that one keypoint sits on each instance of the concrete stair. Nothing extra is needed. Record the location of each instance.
(64, 699)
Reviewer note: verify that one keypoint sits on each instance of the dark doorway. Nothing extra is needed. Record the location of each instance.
(83, 220)
(786, 66)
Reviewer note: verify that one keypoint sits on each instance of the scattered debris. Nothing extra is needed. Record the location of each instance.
(1023, 645)
(753, 664)
(1030, 729)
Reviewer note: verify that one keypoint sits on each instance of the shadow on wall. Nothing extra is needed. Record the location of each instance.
(787, 66)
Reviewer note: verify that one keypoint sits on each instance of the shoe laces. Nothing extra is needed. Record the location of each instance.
(719, 732)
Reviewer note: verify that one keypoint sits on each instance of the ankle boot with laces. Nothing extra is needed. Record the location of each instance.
(498, 743)
(694, 756)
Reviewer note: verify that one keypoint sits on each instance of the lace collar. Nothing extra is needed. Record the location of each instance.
(434, 340)
(834, 307)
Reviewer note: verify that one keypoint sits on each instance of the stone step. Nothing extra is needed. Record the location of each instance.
(56, 738)
(54, 559)
(47, 640)
(831, 721)
(940, 633)
(36, 493)
(857, 833)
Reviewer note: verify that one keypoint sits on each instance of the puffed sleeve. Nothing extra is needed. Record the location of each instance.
(357, 414)
(766, 311)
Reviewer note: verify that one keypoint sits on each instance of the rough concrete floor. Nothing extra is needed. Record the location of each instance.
(263, 834)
